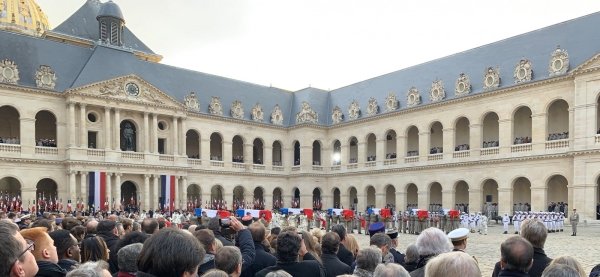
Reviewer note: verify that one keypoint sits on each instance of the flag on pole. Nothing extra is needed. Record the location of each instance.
(69, 208)
(167, 186)
(97, 190)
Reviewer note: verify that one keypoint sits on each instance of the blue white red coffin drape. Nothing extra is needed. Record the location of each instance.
(97, 190)
(167, 192)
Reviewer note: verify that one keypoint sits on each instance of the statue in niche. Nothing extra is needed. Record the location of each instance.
(128, 133)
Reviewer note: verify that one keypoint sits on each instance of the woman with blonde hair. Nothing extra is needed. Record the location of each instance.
(351, 244)
(570, 261)
(311, 246)
(94, 249)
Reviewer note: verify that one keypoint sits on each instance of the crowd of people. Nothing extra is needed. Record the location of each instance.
(353, 160)
(46, 142)
(10, 140)
(126, 245)
(277, 163)
(412, 153)
(390, 155)
(371, 158)
(197, 156)
(462, 147)
(316, 163)
(522, 140)
(557, 136)
(238, 159)
(436, 150)
(216, 158)
(490, 144)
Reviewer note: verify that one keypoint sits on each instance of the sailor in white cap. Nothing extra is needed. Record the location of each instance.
(505, 221)
(459, 240)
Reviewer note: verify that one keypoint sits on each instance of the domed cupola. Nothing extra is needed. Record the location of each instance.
(111, 22)
(23, 16)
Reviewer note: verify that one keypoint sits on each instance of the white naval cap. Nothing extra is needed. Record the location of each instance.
(459, 234)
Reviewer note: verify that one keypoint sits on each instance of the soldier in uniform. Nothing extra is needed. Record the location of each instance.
(411, 223)
(204, 219)
(327, 222)
(334, 219)
(359, 221)
(282, 219)
(374, 217)
(459, 240)
(350, 224)
(343, 221)
(398, 256)
(505, 221)
(574, 219)
(303, 221)
(292, 220)
(443, 221)
(484, 222)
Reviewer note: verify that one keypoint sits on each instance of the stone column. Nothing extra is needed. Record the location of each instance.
(145, 133)
(182, 191)
(379, 200)
(227, 153)
(71, 107)
(505, 202)
(380, 150)
(401, 147)
(475, 200)
(268, 157)
(362, 152)
(448, 142)
(205, 149)
(539, 197)
(306, 200)
(83, 127)
(475, 139)
(154, 136)
(424, 199)
(248, 154)
(183, 139)
(571, 128)
(268, 201)
(306, 157)
(448, 199)
(27, 136)
(117, 129)
(329, 201)
(108, 190)
(117, 188)
(155, 185)
(401, 200)
(175, 136)
(344, 154)
(72, 186)
(424, 149)
(146, 201)
(326, 156)
(107, 143)
(506, 135)
(84, 187)
(539, 131)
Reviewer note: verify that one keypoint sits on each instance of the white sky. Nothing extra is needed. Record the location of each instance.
(327, 44)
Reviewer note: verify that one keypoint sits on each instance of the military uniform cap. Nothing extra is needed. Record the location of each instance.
(393, 234)
(459, 234)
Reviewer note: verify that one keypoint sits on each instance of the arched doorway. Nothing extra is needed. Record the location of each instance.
(239, 195)
(10, 130)
(257, 151)
(277, 160)
(237, 149)
(390, 145)
(412, 197)
(522, 125)
(316, 152)
(412, 141)
(337, 153)
(192, 144)
(353, 149)
(436, 138)
(47, 190)
(278, 198)
(316, 197)
(370, 192)
(45, 129)
(371, 148)
(216, 147)
(491, 130)
(463, 135)
(296, 153)
(490, 196)
(435, 196)
(259, 200)
(557, 189)
(390, 197)
(193, 196)
(296, 199)
(11, 187)
(353, 197)
(558, 120)
(129, 196)
(128, 136)
(461, 196)
(521, 194)
(337, 200)
(216, 195)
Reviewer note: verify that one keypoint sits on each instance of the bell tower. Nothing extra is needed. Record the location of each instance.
(111, 23)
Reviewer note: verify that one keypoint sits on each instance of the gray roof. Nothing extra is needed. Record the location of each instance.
(76, 66)
(111, 9)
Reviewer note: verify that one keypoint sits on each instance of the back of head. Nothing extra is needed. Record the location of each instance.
(43, 223)
(279, 273)
(93, 249)
(215, 273)
(517, 254)
(380, 240)
(11, 247)
(70, 222)
(340, 230)
(534, 231)
(127, 256)
(452, 264)
(330, 243)
(412, 254)
(275, 231)
(391, 270)
(258, 231)
(368, 258)
(42, 242)
(560, 270)
(206, 238)
(228, 259)
(130, 238)
(432, 241)
(90, 269)
(213, 224)
(62, 241)
(288, 245)
(106, 225)
(149, 225)
(570, 261)
(595, 272)
(170, 252)
(78, 231)
(127, 223)
(90, 227)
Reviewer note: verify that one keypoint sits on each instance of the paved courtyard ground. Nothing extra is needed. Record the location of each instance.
(585, 247)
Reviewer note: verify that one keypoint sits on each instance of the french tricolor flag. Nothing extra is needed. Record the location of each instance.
(97, 190)
(167, 191)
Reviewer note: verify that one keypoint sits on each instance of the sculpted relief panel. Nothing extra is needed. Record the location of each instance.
(391, 102)
(9, 72)
(372, 107)
(45, 77)
(463, 85)
(337, 115)
(307, 115)
(191, 102)
(237, 110)
(491, 78)
(257, 113)
(523, 71)
(277, 116)
(559, 62)
(437, 92)
(133, 90)
(354, 110)
(215, 106)
(412, 97)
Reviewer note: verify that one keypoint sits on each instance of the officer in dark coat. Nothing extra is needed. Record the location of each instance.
(398, 256)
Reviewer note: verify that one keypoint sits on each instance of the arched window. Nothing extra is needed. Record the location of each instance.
(114, 33)
(103, 31)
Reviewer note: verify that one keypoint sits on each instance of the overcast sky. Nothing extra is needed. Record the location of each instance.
(322, 43)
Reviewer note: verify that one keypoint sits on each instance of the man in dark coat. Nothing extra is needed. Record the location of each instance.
(215, 226)
(107, 230)
(343, 254)
(289, 247)
(333, 266)
(398, 256)
(535, 232)
(207, 239)
(516, 257)
(263, 258)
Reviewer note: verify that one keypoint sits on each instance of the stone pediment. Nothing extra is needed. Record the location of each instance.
(591, 64)
(129, 88)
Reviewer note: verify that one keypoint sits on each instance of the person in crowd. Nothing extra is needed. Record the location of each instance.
(331, 262)
(126, 257)
(343, 254)
(16, 257)
(312, 247)
(107, 230)
(278, 273)
(229, 259)
(44, 252)
(289, 247)
(215, 273)
(170, 253)
(366, 261)
(516, 257)
(570, 261)
(131, 238)
(352, 245)
(150, 226)
(25, 221)
(207, 240)
(452, 264)
(398, 256)
(263, 257)
(214, 224)
(535, 232)
(595, 272)
(390, 270)
(90, 228)
(384, 243)
(91, 269)
(67, 248)
(78, 232)
(411, 258)
(45, 223)
(431, 242)
(94, 249)
(560, 270)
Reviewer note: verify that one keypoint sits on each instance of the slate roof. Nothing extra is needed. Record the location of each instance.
(77, 66)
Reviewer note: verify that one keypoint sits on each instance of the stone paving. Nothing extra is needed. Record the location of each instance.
(585, 247)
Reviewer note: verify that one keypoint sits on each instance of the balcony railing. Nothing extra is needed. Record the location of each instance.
(217, 164)
(336, 168)
(197, 162)
(317, 168)
(461, 154)
(521, 148)
(132, 155)
(435, 157)
(370, 164)
(166, 158)
(96, 153)
(555, 144)
(352, 166)
(489, 151)
(390, 162)
(239, 165)
(14, 148)
(411, 159)
(277, 168)
(42, 150)
(258, 167)
(296, 168)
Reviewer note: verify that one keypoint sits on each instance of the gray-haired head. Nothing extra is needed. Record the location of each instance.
(390, 270)
(534, 231)
(560, 270)
(89, 269)
(127, 256)
(412, 254)
(278, 273)
(432, 241)
(368, 258)
(452, 264)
